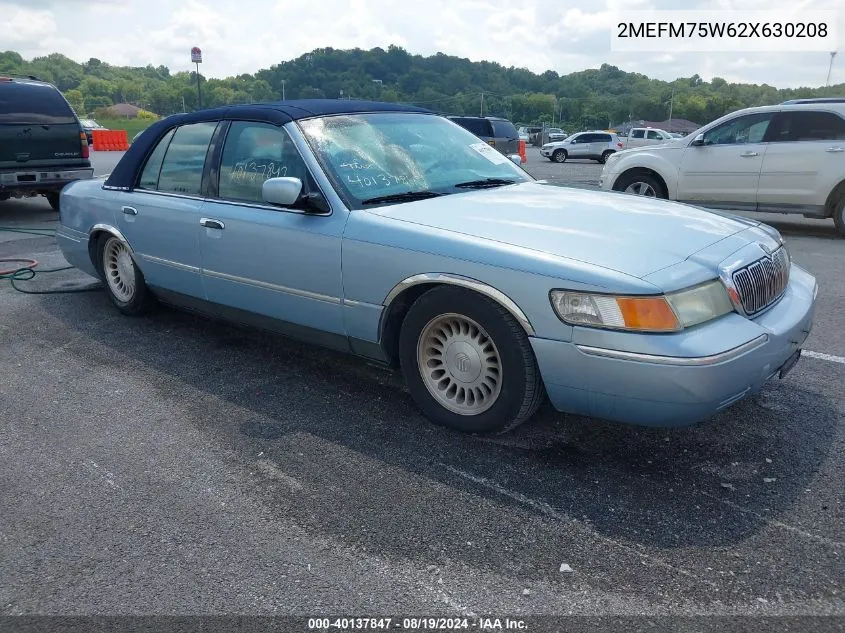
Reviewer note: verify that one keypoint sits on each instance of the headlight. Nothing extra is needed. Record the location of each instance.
(665, 313)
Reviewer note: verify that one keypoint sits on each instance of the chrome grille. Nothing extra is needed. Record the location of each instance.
(762, 282)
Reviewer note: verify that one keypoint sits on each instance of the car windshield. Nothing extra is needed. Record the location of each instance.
(378, 158)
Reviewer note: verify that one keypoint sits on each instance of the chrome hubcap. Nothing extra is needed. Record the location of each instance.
(459, 364)
(120, 272)
(641, 189)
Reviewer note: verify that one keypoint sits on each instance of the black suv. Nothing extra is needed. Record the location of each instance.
(42, 145)
(495, 131)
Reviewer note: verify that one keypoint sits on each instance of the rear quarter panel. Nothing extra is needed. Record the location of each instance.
(84, 204)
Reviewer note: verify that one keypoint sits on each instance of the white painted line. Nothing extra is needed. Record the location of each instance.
(827, 357)
(545, 508)
(775, 523)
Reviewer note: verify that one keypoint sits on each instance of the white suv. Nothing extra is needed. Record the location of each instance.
(597, 145)
(787, 158)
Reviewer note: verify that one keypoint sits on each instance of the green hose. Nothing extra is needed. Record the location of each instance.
(29, 272)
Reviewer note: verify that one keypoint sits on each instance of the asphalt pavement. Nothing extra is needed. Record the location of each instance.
(171, 465)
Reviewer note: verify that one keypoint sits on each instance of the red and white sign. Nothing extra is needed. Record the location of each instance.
(196, 55)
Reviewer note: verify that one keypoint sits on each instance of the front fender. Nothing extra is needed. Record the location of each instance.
(653, 161)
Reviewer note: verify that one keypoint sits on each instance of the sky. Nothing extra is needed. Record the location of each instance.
(243, 36)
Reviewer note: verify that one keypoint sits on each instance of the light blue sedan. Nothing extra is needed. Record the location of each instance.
(392, 233)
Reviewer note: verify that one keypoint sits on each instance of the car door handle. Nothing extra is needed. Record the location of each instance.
(749, 154)
(129, 210)
(835, 149)
(210, 223)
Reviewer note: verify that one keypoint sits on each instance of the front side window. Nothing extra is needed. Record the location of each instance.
(654, 135)
(369, 156)
(181, 170)
(750, 128)
(253, 153)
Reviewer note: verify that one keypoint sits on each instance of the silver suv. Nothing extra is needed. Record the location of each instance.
(596, 145)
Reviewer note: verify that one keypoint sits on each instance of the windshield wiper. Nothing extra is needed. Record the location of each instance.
(485, 182)
(408, 196)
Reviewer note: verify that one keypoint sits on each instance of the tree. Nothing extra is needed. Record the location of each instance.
(447, 84)
(76, 100)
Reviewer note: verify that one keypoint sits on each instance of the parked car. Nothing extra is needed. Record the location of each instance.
(88, 126)
(495, 131)
(596, 145)
(788, 158)
(387, 231)
(555, 134)
(42, 145)
(639, 136)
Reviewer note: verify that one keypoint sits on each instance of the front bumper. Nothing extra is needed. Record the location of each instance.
(607, 179)
(668, 391)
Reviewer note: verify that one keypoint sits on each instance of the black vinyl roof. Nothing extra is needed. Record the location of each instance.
(279, 113)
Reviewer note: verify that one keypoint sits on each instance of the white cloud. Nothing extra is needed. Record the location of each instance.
(239, 37)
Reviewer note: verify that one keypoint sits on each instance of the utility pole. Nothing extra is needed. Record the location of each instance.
(671, 106)
(482, 104)
(829, 68)
(283, 89)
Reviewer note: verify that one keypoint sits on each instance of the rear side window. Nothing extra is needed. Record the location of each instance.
(181, 170)
(27, 103)
(806, 126)
(253, 153)
(149, 177)
(479, 127)
(637, 133)
(504, 129)
(601, 138)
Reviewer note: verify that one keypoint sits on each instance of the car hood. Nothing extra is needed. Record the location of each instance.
(629, 234)
(665, 146)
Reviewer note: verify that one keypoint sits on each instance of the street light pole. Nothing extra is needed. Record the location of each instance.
(199, 91)
(829, 68)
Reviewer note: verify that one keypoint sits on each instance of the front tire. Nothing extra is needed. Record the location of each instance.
(124, 282)
(559, 156)
(640, 184)
(467, 362)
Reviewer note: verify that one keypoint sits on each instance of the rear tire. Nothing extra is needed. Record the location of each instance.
(53, 199)
(559, 156)
(604, 156)
(839, 216)
(467, 362)
(123, 280)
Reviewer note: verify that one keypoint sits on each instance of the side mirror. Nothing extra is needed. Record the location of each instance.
(516, 159)
(281, 191)
(698, 140)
